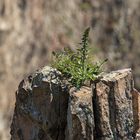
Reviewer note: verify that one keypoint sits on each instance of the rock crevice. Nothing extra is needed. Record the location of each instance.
(46, 109)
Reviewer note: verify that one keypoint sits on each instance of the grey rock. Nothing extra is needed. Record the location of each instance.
(41, 107)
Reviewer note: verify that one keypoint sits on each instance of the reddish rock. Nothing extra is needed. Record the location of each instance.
(112, 105)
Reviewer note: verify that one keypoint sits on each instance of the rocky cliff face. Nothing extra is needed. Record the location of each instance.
(48, 109)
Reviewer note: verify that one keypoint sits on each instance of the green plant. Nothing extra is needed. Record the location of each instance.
(75, 66)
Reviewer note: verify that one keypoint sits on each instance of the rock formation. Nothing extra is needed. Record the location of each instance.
(32, 29)
(80, 119)
(41, 107)
(112, 103)
(47, 108)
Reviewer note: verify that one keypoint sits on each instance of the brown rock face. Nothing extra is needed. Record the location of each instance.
(46, 109)
(32, 29)
(41, 107)
(113, 106)
(136, 112)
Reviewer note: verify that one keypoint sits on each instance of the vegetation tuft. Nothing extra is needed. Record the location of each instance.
(75, 66)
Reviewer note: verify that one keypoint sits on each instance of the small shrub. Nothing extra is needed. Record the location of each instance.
(75, 66)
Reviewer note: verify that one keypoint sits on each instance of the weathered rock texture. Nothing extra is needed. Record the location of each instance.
(80, 119)
(46, 109)
(32, 29)
(136, 112)
(113, 106)
(41, 107)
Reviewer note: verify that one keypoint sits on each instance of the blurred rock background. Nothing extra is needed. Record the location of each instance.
(31, 29)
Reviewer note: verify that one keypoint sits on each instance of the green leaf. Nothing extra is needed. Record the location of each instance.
(75, 65)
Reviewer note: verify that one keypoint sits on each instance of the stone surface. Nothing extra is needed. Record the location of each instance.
(112, 104)
(32, 29)
(41, 107)
(49, 109)
(136, 112)
(80, 119)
